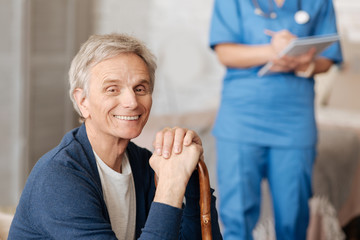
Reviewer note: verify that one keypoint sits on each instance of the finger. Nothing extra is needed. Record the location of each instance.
(287, 35)
(168, 140)
(280, 68)
(288, 62)
(191, 137)
(154, 162)
(312, 52)
(201, 153)
(306, 58)
(269, 32)
(179, 139)
(280, 63)
(158, 143)
(292, 64)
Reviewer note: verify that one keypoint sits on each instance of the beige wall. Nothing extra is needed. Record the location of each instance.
(9, 102)
(39, 38)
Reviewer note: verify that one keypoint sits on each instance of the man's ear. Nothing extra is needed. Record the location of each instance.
(82, 102)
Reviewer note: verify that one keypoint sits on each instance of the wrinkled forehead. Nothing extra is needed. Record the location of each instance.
(126, 67)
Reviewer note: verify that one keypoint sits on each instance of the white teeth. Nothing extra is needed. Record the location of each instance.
(128, 118)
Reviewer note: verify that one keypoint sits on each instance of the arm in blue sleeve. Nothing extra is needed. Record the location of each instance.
(327, 25)
(62, 203)
(169, 223)
(225, 26)
(163, 223)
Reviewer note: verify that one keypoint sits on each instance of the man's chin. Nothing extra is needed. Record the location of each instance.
(130, 135)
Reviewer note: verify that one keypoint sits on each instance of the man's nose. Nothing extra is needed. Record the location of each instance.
(128, 99)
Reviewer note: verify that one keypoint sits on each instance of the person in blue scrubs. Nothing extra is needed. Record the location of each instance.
(265, 126)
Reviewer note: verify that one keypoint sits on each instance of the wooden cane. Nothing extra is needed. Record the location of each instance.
(205, 200)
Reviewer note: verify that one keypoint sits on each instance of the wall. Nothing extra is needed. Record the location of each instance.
(189, 75)
(10, 97)
(36, 47)
(176, 31)
(56, 31)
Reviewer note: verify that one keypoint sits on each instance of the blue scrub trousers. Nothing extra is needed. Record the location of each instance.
(241, 168)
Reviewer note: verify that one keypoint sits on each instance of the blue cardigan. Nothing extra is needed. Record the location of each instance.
(63, 198)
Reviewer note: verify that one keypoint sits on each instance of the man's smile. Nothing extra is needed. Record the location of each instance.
(127, 118)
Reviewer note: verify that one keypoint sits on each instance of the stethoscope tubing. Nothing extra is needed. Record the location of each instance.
(301, 16)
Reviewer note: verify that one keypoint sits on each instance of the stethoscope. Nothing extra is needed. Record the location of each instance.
(301, 16)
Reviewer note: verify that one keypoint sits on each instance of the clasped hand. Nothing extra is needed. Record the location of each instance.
(177, 152)
(279, 41)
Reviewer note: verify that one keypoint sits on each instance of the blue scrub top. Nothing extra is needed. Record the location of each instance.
(273, 110)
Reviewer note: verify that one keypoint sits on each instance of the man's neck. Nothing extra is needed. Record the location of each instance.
(110, 150)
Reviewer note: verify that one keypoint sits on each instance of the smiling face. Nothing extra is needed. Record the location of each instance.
(119, 99)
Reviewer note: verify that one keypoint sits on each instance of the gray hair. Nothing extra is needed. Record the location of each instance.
(99, 48)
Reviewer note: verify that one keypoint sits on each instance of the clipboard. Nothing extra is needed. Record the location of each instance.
(302, 45)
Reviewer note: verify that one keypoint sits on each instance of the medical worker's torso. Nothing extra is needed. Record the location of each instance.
(271, 110)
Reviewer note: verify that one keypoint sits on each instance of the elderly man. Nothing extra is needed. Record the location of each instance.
(97, 184)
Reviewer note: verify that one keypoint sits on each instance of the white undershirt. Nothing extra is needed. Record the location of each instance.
(119, 196)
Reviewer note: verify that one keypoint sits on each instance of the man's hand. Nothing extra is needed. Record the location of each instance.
(174, 173)
(172, 140)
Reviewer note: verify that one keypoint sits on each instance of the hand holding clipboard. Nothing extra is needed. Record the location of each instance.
(300, 46)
